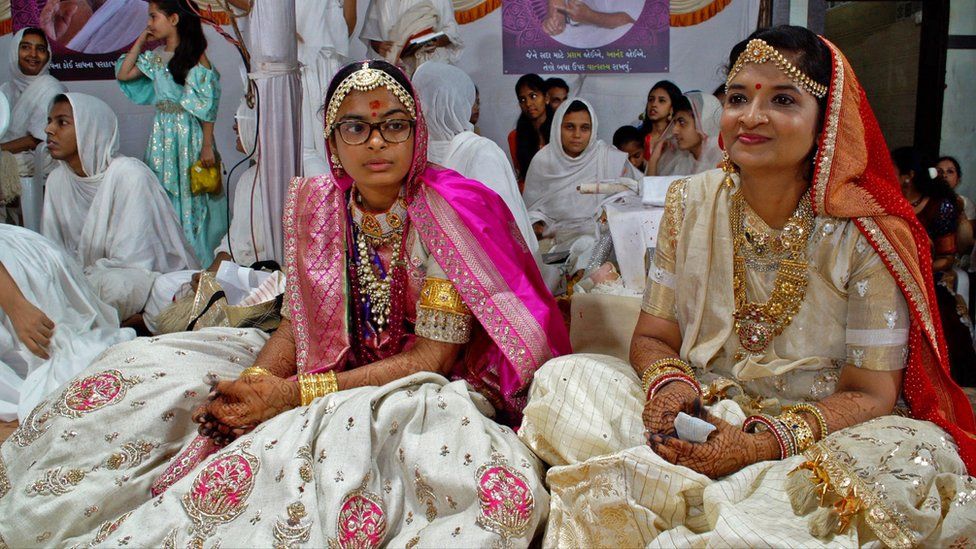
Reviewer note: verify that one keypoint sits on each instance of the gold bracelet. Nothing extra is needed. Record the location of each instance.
(662, 366)
(255, 371)
(313, 386)
(816, 413)
(801, 430)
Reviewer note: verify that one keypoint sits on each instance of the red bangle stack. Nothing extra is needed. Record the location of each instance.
(664, 379)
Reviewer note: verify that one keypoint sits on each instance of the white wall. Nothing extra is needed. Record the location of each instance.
(958, 113)
(697, 56)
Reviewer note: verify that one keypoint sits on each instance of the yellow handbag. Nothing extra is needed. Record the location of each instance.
(205, 180)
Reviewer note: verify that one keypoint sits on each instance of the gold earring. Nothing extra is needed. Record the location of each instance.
(335, 162)
(729, 168)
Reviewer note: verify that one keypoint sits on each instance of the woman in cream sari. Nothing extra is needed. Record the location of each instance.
(397, 278)
(816, 332)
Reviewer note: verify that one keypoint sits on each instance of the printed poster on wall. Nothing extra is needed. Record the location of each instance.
(585, 36)
(86, 36)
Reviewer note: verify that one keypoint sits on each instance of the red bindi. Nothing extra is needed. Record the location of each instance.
(758, 86)
(374, 114)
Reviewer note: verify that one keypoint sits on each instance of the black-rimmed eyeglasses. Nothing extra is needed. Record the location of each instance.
(357, 132)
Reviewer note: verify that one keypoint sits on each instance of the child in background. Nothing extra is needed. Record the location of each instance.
(180, 81)
(629, 140)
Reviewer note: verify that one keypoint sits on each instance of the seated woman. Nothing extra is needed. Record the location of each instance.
(793, 289)
(52, 323)
(939, 209)
(29, 92)
(695, 127)
(573, 156)
(108, 210)
(399, 273)
(448, 94)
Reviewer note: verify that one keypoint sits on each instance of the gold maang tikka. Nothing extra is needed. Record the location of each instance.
(758, 51)
(366, 79)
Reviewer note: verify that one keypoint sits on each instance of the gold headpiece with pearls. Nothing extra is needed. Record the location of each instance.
(758, 51)
(366, 79)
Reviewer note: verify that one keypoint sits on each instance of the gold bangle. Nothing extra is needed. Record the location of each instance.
(313, 386)
(255, 371)
(801, 430)
(662, 366)
(674, 362)
(814, 411)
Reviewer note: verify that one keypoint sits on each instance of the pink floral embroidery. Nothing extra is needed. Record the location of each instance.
(93, 392)
(361, 521)
(200, 449)
(219, 492)
(506, 499)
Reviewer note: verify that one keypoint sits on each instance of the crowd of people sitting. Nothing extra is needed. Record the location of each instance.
(406, 376)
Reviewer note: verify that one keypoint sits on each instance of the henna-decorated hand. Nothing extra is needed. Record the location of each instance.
(673, 397)
(237, 407)
(727, 450)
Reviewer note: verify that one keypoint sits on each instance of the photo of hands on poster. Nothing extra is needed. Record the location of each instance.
(590, 23)
(87, 36)
(585, 36)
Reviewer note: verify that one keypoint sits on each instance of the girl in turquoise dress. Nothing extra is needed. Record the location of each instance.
(178, 79)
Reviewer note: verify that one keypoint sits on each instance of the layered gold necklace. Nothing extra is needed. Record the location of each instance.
(757, 324)
(375, 230)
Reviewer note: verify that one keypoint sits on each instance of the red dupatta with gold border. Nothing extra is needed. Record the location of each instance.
(854, 178)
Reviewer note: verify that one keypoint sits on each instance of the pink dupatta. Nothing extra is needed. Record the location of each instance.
(473, 237)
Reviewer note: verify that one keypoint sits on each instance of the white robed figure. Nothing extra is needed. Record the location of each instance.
(574, 156)
(695, 130)
(108, 210)
(391, 24)
(449, 95)
(29, 93)
(52, 323)
(322, 28)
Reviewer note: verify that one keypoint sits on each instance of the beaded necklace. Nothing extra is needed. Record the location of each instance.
(757, 324)
(377, 292)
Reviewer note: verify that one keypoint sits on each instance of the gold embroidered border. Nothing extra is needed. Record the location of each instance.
(890, 527)
(830, 134)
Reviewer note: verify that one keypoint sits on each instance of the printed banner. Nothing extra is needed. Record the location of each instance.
(585, 36)
(87, 36)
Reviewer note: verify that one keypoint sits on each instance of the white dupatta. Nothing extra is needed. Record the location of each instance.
(553, 177)
(117, 220)
(29, 95)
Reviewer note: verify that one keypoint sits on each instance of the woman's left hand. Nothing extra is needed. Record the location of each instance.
(727, 450)
(240, 405)
(207, 157)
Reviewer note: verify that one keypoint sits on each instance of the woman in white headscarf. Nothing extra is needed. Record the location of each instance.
(29, 91)
(696, 129)
(52, 323)
(391, 24)
(448, 95)
(574, 156)
(107, 210)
